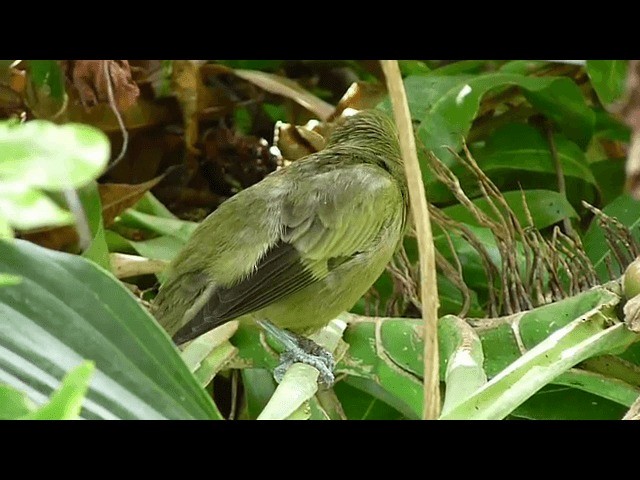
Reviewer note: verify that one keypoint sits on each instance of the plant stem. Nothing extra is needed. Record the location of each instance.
(418, 199)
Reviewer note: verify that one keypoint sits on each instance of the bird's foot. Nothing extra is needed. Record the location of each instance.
(299, 349)
(309, 352)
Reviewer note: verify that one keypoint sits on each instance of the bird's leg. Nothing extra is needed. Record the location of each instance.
(300, 349)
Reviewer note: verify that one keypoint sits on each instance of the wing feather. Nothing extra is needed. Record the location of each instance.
(340, 214)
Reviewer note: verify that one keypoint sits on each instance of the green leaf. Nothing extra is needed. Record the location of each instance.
(14, 403)
(522, 67)
(152, 206)
(66, 310)
(472, 267)
(174, 227)
(581, 339)
(214, 362)
(608, 78)
(546, 208)
(5, 229)
(611, 178)
(275, 112)
(46, 74)
(562, 403)
(413, 67)
(509, 336)
(522, 147)
(207, 354)
(461, 348)
(387, 377)
(359, 405)
(259, 386)
(92, 204)
(461, 67)
(613, 384)
(46, 155)
(564, 104)
(451, 299)
(446, 107)
(608, 126)
(265, 65)
(66, 401)
(452, 114)
(424, 92)
(242, 120)
(28, 208)
(6, 279)
(159, 248)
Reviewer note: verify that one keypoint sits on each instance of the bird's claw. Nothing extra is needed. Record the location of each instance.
(310, 353)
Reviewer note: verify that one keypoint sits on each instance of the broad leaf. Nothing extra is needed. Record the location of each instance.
(66, 310)
(46, 155)
(521, 147)
(608, 78)
(445, 106)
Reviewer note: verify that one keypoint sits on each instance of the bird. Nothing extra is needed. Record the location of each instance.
(296, 249)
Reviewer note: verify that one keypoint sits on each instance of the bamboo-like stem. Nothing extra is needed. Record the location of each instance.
(418, 199)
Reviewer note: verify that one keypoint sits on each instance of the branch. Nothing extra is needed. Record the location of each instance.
(418, 198)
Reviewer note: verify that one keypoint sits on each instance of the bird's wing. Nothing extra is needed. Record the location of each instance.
(331, 218)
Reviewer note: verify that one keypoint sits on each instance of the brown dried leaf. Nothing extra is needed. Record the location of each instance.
(18, 80)
(287, 88)
(59, 238)
(360, 96)
(117, 197)
(144, 114)
(13, 83)
(143, 71)
(298, 141)
(193, 97)
(89, 80)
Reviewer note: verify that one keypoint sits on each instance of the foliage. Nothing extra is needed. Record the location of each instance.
(75, 343)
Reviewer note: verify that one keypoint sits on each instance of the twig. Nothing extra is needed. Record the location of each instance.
(417, 195)
(82, 223)
(124, 265)
(234, 393)
(114, 107)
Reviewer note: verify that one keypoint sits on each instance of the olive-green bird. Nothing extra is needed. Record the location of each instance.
(298, 248)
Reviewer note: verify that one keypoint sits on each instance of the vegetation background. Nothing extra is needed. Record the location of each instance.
(530, 167)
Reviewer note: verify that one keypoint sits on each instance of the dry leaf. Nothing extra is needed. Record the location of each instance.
(89, 80)
(360, 96)
(117, 197)
(193, 97)
(59, 238)
(299, 141)
(287, 88)
(144, 114)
